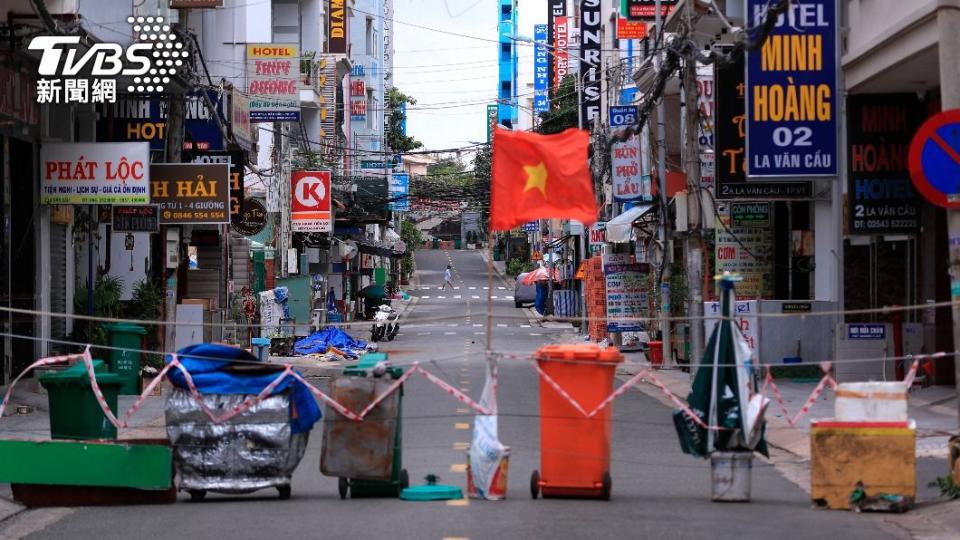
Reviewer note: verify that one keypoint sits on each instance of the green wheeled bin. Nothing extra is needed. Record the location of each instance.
(126, 340)
(75, 412)
(361, 459)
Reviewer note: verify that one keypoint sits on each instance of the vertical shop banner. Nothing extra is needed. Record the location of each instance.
(628, 184)
(555, 9)
(273, 75)
(744, 246)
(879, 190)
(191, 193)
(94, 173)
(646, 10)
(705, 102)
(240, 119)
(358, 94)
(491, 121)
(337, 27)
(792, 122)
(145, 119)
(399, 192)
(626, 284)
(561, 57)
(730, 178)
(541, 76)
(310, 204)
(327, 84)
(591, 25)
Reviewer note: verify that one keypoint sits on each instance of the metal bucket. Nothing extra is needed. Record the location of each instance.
(730, 476)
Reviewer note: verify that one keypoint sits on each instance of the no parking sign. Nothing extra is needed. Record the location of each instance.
(935, 159)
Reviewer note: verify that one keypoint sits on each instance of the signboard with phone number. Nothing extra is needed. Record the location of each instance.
(791, 96)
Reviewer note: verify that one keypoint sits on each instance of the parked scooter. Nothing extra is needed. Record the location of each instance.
(385, 325)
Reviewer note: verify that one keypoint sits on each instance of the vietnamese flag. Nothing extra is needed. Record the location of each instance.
(540, 176)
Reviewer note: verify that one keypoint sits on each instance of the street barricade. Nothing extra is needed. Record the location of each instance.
(258, 444)
(574, 446)
(366, 455)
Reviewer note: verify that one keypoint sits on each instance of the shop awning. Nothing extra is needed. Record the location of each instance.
(620, 227)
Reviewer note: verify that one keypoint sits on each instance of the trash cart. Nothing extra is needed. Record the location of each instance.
(127, 342)
(366, 456)
(256, 449)
(574, 449)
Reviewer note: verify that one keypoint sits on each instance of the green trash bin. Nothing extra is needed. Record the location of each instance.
(399, 479)
(74, 410)
(127, 341)
(457, 243)
(436, 243)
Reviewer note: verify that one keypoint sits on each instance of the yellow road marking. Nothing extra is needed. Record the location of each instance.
(463, 411)
(462, 425)
(464, 382)
(458, 467)
(464, 389)
(459, 502)
(461, 445)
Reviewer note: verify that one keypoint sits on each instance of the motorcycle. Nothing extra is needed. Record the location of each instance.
(385, 325)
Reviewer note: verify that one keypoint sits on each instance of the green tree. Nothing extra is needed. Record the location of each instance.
(412, 238)
(563, 108)
(397, 141)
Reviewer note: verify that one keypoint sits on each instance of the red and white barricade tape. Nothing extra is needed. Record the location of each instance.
(463, 398)
(632, 381)
(39, 363)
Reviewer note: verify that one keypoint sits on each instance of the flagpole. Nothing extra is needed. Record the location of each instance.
(489, 349)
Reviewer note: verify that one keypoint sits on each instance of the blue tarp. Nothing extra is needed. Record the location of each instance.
(210, 377)
(330, 336)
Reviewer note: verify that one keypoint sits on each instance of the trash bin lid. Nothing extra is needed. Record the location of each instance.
(78, 373)
(431, 492)
(367, 361)
(128, 328)
(579, 352)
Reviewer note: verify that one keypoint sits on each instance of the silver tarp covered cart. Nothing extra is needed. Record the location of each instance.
(253, 450)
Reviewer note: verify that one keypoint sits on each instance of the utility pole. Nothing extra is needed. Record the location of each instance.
(948, 20)
(694, 251)
(173, 154)
(662, 236)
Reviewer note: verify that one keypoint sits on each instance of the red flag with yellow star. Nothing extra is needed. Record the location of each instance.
(540, 176)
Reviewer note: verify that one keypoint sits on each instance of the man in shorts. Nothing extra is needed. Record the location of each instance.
(447, 278)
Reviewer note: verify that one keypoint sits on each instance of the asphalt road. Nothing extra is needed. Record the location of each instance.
(658, 492)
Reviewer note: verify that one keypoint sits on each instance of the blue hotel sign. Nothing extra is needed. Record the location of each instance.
(541, 76)
(791, 97)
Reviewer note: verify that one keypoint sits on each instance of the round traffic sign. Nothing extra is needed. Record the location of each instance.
(935, 159)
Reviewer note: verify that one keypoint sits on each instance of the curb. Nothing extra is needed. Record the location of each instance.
(9, 509)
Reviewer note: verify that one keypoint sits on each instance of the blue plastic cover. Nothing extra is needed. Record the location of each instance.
(207, 362)
(318, 342)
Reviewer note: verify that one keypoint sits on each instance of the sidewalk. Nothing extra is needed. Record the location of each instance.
(933, 408)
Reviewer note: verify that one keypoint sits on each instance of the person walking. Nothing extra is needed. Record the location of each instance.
(447, 278)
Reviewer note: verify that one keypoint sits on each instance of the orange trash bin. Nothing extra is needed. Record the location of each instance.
(574, 449)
